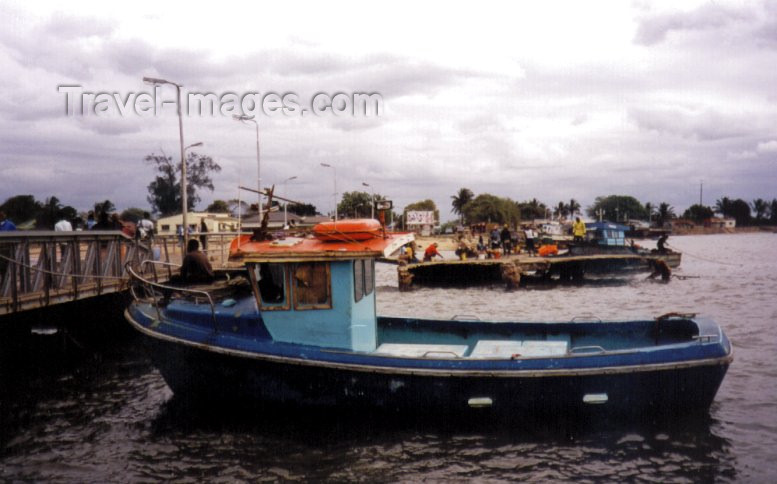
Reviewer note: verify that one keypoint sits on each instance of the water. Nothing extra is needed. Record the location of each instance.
(108, 416)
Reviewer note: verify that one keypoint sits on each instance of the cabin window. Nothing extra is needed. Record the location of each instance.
(312, 289)
(369, 276)
(363, 278)
(358, 280)
(271, 282)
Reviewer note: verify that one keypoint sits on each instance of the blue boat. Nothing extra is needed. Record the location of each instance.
(299, 326)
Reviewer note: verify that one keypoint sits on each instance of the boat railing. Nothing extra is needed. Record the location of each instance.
(707, 338)
(152, 290)
(587, 349)
(587, 318)
(465, 317)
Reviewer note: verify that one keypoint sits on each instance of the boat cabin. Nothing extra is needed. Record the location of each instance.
(317, 292)
(329, 303)
(606, 234)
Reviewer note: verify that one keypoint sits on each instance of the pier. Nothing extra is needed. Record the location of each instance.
(39, 269)
(511, 269)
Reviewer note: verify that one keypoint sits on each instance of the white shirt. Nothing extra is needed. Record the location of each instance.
(63, 226)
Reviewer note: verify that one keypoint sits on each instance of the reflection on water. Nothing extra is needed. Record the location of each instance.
(108, 416)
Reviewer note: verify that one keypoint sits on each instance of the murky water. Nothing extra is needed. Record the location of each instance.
(109, 417)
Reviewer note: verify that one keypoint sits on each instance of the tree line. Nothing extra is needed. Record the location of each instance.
(615, 208)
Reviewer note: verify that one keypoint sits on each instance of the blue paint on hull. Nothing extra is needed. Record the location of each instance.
(670, 371)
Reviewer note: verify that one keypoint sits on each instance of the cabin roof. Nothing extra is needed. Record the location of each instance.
(296, 248)
(606, 226)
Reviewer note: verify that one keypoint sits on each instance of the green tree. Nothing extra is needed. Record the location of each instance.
(573, 207)
(561, 210)
(616, 208)
(21, 208)
(218, 206)
(532, 209)
(302, 209)
(773, 211)
(724, 206)
(761, 208)
(165, 191)
(105, 206)
(492, 209)
(51, 212)
(355, 204)
(698, 213)
(132, 214)
(650, 210)
(664, 214)
(460, 200)
(740, 210)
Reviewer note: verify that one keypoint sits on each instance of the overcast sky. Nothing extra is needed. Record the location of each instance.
(553, 100)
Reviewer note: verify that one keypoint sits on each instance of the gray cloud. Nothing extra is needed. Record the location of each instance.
(653, 29)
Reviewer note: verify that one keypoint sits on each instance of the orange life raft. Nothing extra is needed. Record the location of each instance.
(348, 230)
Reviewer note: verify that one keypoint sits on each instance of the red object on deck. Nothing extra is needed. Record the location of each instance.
(348, 230)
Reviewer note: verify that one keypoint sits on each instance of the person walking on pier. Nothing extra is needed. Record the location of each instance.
(145, 228)
(204, 235)
(530, 236)
(578, 230)
(507, 243)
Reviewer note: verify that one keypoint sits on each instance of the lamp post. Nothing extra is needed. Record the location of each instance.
(327, 165)
(285, 213)
(244, 118)
(372, 205)
(184, 202)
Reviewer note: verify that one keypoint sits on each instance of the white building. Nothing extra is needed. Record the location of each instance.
(216, 222)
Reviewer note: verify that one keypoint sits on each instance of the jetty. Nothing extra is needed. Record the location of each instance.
(511, 269)
(40, 269)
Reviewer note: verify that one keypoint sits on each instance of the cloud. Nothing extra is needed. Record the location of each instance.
(767, 147)
(706, 124)
(653, 29)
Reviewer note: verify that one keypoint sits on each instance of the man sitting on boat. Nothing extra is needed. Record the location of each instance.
(195, 267)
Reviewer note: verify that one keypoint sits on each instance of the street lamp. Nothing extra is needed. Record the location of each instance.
(244, 118)
(327, 165)
(184, 202)
(285, 216)
(372, 205)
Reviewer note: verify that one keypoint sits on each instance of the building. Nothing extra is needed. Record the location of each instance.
(216, 222)
(721, 223)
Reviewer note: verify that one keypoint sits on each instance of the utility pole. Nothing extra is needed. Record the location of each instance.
(701, 191)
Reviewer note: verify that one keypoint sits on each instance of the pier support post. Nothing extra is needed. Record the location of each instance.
(511, 275)
(404, 276)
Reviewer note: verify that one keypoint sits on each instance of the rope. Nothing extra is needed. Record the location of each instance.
(53, 273)
(703, 258)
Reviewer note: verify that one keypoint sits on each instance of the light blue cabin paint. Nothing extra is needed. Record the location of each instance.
(347, 325)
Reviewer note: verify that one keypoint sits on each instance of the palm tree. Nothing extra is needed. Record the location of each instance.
(665, 212)
(573, 207)
(650, 210)
(461, 199)
(723, 206)
(760, 207)
(560, 211)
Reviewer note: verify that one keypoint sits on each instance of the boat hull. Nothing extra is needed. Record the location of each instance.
(201, 372)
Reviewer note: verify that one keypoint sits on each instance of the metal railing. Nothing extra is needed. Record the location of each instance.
(41, 268)
(152, 290)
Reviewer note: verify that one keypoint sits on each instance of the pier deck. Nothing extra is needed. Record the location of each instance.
(45, 268)
(510, 269)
